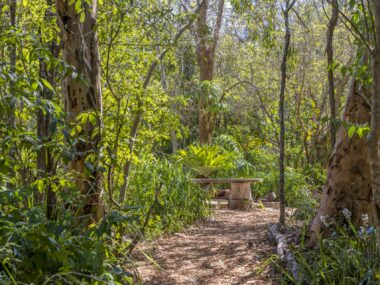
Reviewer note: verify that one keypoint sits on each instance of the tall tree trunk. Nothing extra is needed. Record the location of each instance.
(206, 46)
(330, 72)
(348, 183)
(12, 57)
(10, 102)
(80, 50)
(281, 181)
(45, 160)
(373, 137)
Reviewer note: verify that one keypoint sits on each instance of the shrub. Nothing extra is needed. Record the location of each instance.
(180, 201)
(34, 250)
(206, 159)
(347, 256)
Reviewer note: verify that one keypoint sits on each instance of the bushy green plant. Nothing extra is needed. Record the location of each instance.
(34, 250)
(300, 189)
(180, 201)
(229, 143)
(206, 159)
(347, 256)
(240, 166)
(300, 192)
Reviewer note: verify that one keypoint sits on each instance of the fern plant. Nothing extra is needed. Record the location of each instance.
(230, 144)
(206, 159)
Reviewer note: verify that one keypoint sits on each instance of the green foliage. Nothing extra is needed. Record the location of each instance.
(302, 192)
(360, 130)
(241, 167)
(212, 93)
(36, 251)
(229, 143)
(206, 159)
(181, 202)
(131, 36)
(347, 256)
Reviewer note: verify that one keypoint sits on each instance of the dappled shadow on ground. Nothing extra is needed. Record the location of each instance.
(228, 248)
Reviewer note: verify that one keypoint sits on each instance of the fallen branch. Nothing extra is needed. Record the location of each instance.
(283, 251)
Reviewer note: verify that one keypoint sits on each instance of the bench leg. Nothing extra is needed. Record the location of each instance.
(241, 196)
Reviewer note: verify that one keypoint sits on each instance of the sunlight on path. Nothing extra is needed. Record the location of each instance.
(225, 249)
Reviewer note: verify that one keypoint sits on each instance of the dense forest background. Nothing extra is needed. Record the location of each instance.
(110, 107)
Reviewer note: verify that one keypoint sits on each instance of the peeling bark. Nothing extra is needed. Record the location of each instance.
(374, 135)
(80, 50)
(348, 178)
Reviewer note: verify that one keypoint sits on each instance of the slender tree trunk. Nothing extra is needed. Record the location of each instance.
(12, 57)
(10, 102)
(206, 56)
(373, 137)
(45, 160)
(80, 50)
(281, 113)
(174, 139)
(348, 183)
(330, 72)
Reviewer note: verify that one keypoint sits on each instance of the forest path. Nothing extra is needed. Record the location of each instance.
(227, 248)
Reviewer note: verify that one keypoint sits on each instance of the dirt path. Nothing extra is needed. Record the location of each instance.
(225, 249)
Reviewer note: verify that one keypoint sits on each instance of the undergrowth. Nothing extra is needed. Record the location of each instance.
(34, 250)
(347, 256)
(180, 202)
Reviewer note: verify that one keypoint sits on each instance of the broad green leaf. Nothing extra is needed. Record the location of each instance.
(41, 185)
(351, 131)
(47, 84)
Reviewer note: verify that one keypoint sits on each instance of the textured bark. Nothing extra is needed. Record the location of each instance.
(12, 64)
(206, 47)
(45, 160)
(373, 138)
(330, 72)
(10, 102)
(348, 178)
(281, 181)
(80, 50)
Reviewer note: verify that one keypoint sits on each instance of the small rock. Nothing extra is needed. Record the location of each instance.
(271, 196)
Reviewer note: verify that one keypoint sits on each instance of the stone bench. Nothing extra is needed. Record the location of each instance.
(241, 195)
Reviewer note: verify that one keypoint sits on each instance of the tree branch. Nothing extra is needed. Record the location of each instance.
(234, 85)
(218, 24)
(354, 28)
